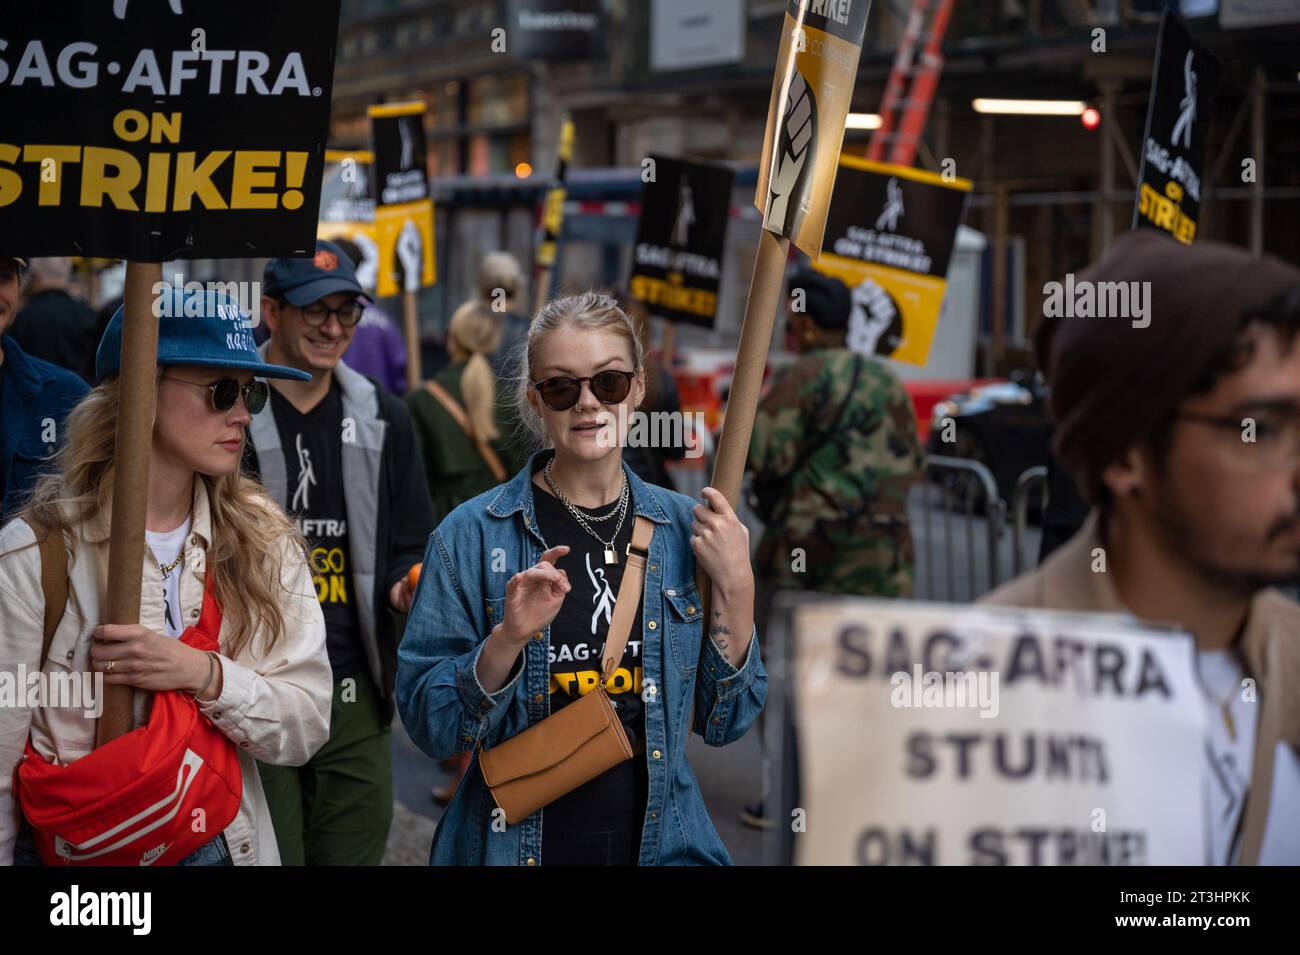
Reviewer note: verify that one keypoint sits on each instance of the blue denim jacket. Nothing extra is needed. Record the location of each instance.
(35, 398)
(461, 595)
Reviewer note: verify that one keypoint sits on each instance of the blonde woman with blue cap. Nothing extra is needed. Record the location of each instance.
(214, 542)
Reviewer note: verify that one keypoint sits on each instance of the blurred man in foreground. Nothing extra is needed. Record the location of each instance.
(1184, 437)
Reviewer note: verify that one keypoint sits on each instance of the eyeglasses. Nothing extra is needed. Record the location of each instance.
(224, 392)
(1268, 439)
(561, 392)
(317, 314)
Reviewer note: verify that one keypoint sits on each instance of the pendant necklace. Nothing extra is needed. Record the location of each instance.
(611, 555)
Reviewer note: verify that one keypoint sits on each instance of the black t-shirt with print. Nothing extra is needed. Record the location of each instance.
(616, 799)
(313, 458)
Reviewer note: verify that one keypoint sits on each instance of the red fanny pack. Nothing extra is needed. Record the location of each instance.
(150, 797)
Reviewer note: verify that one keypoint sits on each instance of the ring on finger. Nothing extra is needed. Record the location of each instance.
(108, 667)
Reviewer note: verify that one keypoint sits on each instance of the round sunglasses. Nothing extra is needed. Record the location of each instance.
(561, 392)
(224, 392)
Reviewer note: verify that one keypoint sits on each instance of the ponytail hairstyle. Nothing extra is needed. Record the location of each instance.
(589, 310)
(477, 331)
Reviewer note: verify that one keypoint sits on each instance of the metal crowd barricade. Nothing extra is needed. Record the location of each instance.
(960, 498)
(1033, 479)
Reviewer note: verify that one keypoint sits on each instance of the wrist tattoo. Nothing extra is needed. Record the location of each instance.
(718, 631)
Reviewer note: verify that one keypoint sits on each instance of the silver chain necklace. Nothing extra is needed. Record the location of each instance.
(615, 508)
(611, 556)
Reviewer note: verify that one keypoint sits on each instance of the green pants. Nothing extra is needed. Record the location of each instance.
(337, 809)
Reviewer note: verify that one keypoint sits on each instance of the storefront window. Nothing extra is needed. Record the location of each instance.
(498, 100)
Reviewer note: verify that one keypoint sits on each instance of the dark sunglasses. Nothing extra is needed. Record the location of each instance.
(224, 392)
(562, 392)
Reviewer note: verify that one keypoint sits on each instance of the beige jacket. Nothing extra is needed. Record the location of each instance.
(1270, 646)
(275, 705)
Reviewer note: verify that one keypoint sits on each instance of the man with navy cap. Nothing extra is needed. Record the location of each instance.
(35, 397)
(338, 452)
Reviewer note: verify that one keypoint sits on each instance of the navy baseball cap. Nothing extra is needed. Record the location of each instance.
(303, 281)
(195, 327)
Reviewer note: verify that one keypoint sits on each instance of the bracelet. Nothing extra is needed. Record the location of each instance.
(212, 671)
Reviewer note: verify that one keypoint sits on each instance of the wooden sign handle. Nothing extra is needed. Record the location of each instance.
(747, 380)
(137, 404)
(411, 329)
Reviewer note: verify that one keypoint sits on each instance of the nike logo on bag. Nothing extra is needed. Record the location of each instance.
(153, 854)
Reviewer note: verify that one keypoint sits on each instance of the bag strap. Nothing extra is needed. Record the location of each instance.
(458, 415)
(629, 595)
(54, 580)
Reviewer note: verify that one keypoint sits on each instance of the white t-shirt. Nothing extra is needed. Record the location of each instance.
(166, 547)
(1230, 764)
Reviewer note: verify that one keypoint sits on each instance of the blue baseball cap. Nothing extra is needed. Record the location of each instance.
(195, 327)
(304, 281)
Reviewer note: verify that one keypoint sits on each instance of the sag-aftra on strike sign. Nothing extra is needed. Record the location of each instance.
(152, 130)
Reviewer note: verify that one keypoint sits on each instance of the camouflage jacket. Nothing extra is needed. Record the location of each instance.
(833, 454)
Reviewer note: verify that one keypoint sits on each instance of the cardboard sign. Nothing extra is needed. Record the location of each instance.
(1178, 116)
(151, 131)
(815, 71)
(677, 259)
(889, 237)
(937, 734)
(403, 207)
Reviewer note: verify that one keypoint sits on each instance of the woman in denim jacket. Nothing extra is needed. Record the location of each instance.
(511, 612)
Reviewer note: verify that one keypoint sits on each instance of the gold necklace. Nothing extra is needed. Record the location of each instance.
(170, 567)
(179, 557)
(1224, 705)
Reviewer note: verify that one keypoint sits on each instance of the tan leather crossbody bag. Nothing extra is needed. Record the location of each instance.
(579, 742)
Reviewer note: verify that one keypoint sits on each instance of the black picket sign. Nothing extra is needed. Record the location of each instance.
(1173, 146)
(181, 130)
(677, 259)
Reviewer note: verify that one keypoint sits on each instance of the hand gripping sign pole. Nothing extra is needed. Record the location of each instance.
(811, 92)
(137, 402)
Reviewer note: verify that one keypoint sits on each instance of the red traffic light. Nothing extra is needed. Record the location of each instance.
(1090, 118)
